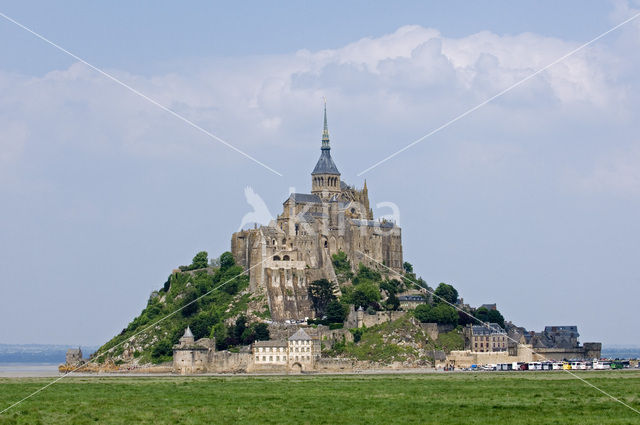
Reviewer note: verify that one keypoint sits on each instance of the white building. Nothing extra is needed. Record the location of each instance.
(298, 353)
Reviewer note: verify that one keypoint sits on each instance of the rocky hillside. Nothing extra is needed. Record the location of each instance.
(213, 300)
(405, 341)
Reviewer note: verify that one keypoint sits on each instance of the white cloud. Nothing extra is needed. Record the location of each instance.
(617, 174)
(394, 80)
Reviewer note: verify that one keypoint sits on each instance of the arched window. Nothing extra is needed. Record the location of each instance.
(276, 258)
(286, 258)
(284, 241)
(326, 244)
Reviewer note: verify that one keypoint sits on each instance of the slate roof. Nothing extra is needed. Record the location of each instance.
(418, 298)
(493, 328)
(188, 333)
(300, 335)
(305, 197)
(325, 164)
(271, 343)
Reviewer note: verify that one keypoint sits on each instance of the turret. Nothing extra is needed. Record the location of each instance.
(325, 177)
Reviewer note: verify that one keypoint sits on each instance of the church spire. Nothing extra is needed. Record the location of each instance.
(325, 130)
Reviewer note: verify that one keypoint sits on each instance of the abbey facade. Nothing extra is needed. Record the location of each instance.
(296, 248)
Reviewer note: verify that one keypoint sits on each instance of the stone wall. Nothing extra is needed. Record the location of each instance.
(466, 358)
(590, 351)
(227, 362)
(357, 319)
(334, 365)
(381, 317)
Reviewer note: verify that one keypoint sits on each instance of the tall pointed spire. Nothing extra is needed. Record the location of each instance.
(325, 130)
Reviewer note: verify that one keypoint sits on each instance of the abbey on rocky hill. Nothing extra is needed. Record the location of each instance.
(296, 249)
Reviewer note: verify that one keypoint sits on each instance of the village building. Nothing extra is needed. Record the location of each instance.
(484, 338)
(298, 353)
(410, 301)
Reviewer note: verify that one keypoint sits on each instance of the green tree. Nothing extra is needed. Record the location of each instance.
(464, 318)
(200, 261)
(167, 285)
(423, 313)
(365, 294)
(447, 293)
(190, 305)
(232, 279)
(392, 303)
(496, 317)
(201, 325)
(238, 329)
(261, 332)
(336, 311)
(340, 262)
(321, 292)
(221, 334)
(445, 314)
(482, 314)
(162, 349)
(408, 268)
(391, 286)
(365, 274)
(226, 261)
(440, 313)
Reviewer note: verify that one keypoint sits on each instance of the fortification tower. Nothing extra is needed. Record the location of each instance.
(325, 177)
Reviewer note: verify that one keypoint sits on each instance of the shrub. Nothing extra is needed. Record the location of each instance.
(162, 349)
(357, 334)
(341, 263)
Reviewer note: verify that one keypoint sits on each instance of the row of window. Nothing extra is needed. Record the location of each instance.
(495, 345)
(486, 338)
(331, 181)
(282, 358)
(298, 346)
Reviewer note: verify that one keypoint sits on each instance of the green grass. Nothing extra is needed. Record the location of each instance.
(469, 398)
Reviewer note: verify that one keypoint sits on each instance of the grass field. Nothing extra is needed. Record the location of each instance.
(453, 398)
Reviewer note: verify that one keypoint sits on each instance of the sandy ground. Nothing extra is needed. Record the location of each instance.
(26, 370)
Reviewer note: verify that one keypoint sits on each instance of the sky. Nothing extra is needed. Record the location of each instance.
(531, 201)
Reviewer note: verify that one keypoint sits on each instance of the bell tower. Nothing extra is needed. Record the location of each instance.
(325, 177)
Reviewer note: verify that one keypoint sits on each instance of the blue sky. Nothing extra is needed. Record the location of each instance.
(530, 202)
